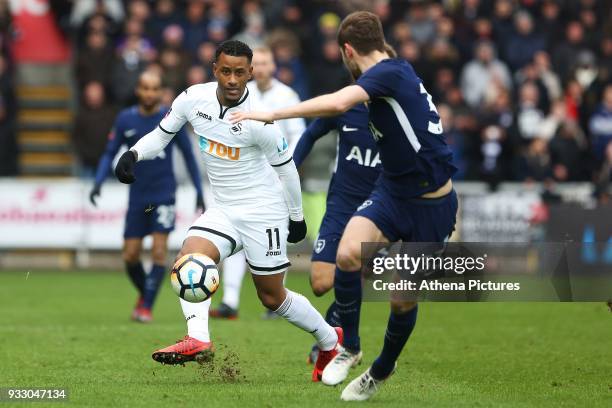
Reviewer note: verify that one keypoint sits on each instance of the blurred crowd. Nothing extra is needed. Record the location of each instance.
(523, 87)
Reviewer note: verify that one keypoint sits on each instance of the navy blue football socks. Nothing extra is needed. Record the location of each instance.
(399, 328)
(347, 286)
(137, 275)
(331, 316)
(152, 284)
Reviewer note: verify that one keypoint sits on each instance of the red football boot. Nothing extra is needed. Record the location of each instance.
(223, 312)
(139, 304)
(143, 315)
(187, 349)
(325, 357)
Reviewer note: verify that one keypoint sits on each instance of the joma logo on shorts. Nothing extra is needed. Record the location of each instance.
(219, 149)
(273, 253)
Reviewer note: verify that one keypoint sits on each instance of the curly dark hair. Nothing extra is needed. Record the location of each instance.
(235, 49)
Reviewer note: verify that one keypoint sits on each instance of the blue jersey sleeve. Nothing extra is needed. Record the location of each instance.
(317, 129)
(115, 140)
(183, 143)
(378, 81)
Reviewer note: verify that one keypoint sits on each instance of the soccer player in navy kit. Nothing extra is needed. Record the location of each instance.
(356, 169)
(413, 199)
(152, 197)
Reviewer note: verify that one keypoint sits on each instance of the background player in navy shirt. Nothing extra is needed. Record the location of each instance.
(356, 169)
(413, 200)
(152, 196)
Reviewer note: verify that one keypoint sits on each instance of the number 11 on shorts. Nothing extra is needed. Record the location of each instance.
(276, 233)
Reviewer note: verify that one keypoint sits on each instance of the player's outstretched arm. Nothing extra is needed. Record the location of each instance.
(332, 104)
(148, 147)
(152, 144)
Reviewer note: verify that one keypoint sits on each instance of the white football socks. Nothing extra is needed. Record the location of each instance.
(234, 268)
(299, 312)
(196, 315)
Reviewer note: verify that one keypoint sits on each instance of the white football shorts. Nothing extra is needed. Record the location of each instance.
(261, 231)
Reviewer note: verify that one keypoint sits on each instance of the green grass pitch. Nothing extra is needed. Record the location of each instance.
(72, 330)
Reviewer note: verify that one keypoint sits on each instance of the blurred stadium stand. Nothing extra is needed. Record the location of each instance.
(521, 83)
(44, 120)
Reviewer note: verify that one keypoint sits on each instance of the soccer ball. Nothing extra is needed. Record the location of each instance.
(195, 277)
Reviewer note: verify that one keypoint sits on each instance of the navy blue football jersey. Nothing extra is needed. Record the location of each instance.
(155, 182)
(358, 163)
(407, 129)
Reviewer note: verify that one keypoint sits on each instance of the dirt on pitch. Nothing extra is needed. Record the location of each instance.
(224, 365)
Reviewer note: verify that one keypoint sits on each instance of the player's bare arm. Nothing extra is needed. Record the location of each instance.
(331, 104)
(325, 105)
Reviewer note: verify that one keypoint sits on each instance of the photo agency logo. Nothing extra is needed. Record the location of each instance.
(427, 263)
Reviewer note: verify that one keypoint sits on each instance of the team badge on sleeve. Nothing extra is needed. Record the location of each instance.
(377, 134)
(236, 129)
(319, 245)
(283, 145)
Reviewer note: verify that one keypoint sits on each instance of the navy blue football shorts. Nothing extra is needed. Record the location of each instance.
(412, 219)
(340, 208)
(141, 221)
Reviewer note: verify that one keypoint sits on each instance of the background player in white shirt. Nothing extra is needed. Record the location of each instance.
(257, 201)
(269, 93)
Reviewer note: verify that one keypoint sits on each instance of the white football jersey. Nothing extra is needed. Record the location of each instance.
(238, 157)
(280, 96)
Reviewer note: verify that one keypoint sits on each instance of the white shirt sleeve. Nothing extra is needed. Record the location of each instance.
(276, 150)
(290, 179)
(151, 144)
(177, 115)
(272, 142)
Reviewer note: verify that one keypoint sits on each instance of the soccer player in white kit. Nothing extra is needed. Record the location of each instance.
(257, 201)
(268, 93)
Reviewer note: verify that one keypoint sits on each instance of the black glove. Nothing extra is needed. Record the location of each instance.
(200, 207)
(125, 167)
(94, 194)
(297, 231)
